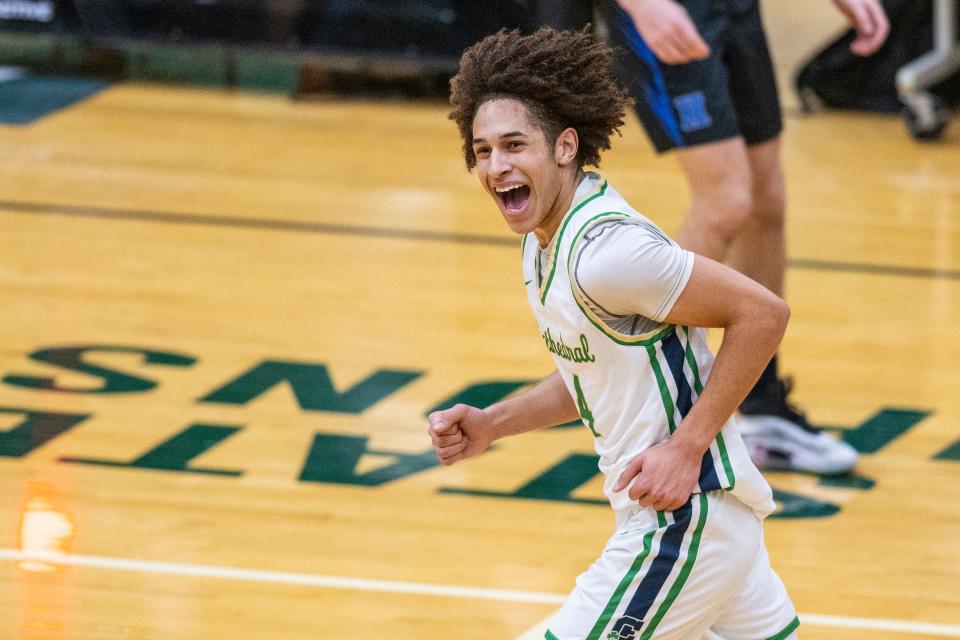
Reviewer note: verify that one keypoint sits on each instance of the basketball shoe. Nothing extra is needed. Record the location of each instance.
(778, 435)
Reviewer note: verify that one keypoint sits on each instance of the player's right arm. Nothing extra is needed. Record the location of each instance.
(667, 29)
(463, 431)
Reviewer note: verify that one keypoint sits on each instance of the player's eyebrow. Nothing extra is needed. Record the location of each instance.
(511, 134)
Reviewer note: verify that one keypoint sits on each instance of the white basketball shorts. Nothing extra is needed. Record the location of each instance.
(676, 575)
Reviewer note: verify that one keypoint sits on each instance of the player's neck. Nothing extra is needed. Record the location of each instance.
(561, 205)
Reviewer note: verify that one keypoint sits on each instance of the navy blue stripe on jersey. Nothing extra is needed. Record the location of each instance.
(675, 355)
(709, 480)
(655, 91)
(660, 569)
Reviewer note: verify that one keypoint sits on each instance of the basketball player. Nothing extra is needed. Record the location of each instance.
(621, 308)
(703, 79)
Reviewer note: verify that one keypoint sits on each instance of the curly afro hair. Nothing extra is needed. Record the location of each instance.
(564, 79)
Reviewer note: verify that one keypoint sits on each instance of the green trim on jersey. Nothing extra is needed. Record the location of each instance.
(725, 460)
(790, 628)
(621, 589)
(692, 361)
(616, 336)
(698, 386)
(586, 416)
(549, 636)
(596, 192)
(662, 384)
(684, 572)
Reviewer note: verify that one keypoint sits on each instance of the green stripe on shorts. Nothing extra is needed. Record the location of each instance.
(621, 589)
(790, 628)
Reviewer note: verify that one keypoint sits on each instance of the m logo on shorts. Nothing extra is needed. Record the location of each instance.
(692, 109)
(626, 628)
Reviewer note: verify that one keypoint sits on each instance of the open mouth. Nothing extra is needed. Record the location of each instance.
(514, 197)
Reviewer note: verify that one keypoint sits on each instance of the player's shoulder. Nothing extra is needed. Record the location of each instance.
(612, 219)
(616, 236)
(616, 242)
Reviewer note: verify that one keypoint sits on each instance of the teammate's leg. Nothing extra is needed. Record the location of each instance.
(722, 119)
(777, 434)
(759, 249)
(720, 196)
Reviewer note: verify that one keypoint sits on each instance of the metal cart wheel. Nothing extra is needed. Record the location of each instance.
(926, 116)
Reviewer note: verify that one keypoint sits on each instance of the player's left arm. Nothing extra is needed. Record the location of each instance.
(753, 321)
(463, 431)
(869, 20)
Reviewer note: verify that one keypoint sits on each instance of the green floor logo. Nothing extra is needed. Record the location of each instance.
(335, 458)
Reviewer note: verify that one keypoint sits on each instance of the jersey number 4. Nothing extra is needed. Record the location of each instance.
(583, 407)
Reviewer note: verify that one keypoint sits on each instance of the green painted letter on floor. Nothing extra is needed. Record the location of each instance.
(37, 428)
(112, 381)
(176, 453)
(334, 458)
(312, 386)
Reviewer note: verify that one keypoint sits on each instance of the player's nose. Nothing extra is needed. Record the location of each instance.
(499, 163)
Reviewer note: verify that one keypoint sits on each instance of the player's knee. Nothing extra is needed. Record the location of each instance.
(724, 212)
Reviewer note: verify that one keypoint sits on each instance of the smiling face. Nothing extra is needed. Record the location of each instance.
(531, 179)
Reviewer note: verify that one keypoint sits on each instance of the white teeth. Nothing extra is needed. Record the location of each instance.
(509, 188)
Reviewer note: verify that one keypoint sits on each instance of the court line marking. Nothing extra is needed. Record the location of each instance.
(413, 588)
(36, 208)
(537, 631)
(281, 577)
(241, 222)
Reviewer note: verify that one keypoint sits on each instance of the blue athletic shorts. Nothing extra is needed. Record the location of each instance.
(732, 93)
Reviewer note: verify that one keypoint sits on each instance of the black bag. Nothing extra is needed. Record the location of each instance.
(842, 79)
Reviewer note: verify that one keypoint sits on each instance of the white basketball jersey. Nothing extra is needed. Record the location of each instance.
(632, 391)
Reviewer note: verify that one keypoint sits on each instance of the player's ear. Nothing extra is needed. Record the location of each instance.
(566, 148)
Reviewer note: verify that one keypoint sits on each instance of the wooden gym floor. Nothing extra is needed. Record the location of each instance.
(223, 318)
